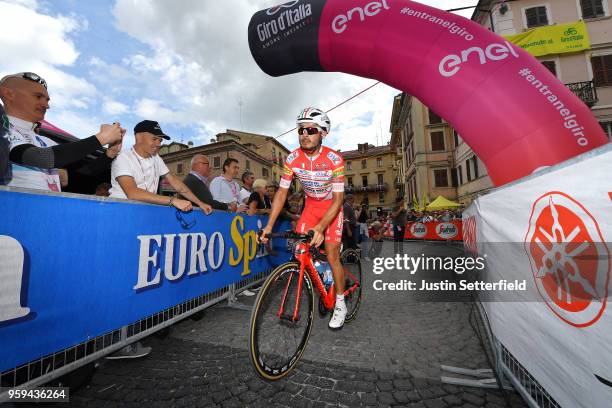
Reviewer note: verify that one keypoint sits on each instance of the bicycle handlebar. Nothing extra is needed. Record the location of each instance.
(290, 235)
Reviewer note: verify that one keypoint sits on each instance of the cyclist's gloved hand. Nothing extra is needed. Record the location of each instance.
(318, 237)
(262, 235)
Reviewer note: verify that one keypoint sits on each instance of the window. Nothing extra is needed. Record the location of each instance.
(179, 168)
(381, 197)
(364, 180)
(475, 160)
(454, 177)
(379, 162)
(264, 173)
(437, 141)
(380, 180)
(602, 70)
(460, 175)
(247, 165)
(348, 166)
(349, 180)
(536, 16)
(217, 162)
(468, 170)
(592, 8)
(434, 119)
(364, 163)
(551, 66)
(456, 137)
(441, 177)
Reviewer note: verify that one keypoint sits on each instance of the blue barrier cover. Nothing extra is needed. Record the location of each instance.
(74, 268)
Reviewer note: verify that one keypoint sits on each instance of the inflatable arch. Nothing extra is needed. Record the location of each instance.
(508, 107)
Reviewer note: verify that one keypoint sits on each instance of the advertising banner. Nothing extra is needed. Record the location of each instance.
(555, 39)
(452, 64)
(75, 267)
(434, 230)
(553, 230)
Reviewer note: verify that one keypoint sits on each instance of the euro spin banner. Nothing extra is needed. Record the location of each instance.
(450, 63)
(74, 267)
(553, 230)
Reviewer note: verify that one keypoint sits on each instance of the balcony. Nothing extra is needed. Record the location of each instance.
(586, 91)
(371, 188)
(378, 187)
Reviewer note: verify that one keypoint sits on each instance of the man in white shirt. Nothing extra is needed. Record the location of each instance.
(248, 178)
(35, 159)
(135, 173)
(224, 188)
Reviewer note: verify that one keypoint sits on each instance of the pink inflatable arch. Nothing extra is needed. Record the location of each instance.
(507, 106)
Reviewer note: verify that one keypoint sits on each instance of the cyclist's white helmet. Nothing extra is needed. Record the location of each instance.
(314, 115)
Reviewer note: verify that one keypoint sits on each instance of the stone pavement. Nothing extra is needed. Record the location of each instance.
(389, 356)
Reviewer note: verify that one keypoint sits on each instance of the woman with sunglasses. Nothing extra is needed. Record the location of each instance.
(320, 170)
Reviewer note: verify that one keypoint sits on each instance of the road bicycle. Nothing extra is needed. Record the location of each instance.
(281, 320)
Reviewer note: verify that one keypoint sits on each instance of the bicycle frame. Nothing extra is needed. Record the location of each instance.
(328, 297)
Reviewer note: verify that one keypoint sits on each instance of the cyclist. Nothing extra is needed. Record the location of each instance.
(320, 170)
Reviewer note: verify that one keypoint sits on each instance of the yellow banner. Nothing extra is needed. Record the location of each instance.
(556, 39)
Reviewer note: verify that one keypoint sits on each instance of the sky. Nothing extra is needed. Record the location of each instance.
(184, 63)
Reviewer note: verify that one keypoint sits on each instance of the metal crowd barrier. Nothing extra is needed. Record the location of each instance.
(508, 367)
(62, 362)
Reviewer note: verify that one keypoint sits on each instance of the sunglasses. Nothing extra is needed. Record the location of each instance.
(30, 76)
(309, 130)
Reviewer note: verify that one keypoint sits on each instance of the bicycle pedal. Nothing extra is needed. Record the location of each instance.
(289, 317)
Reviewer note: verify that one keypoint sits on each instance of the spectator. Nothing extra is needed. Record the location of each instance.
(103, 189)
(350, 222)
(197, 182)
(5, 165)
(36, 158)
(377, 239)
(224, 188)
(399, 225)
(135, 175)
(285, 213)
(247, 186)
(362, 221)
(259, 202)
(136, 172)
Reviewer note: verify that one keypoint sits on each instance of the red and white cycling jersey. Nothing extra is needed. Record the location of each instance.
(319, 175)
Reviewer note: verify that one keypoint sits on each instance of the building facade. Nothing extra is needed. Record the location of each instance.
(426, 146)
(371, 175)
(262, 155)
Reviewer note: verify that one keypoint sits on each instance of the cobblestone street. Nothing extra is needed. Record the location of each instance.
(389, 356)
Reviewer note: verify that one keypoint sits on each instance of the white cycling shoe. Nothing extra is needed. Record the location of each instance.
(337, 320)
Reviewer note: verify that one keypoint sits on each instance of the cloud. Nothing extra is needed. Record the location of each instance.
(111, 107)
(201, 66)
(33, 41)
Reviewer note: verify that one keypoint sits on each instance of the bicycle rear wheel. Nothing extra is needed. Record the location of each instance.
(277, 343)
(351, 263)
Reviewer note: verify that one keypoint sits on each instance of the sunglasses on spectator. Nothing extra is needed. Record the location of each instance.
(309, 130)
(30, 76)
(207, 163)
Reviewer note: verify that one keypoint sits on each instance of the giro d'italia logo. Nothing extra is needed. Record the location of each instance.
(273, 10)
(569, 259)
(469, 235)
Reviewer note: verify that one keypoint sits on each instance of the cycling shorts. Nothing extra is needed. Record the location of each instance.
(312, 214)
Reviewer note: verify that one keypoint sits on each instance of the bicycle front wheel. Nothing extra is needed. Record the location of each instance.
(277, 340)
